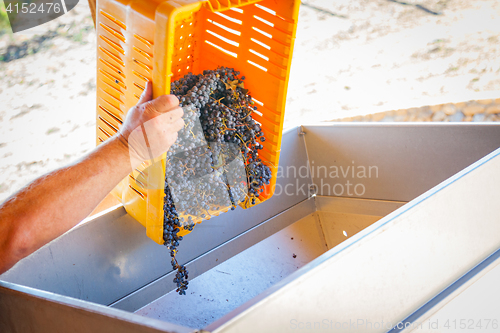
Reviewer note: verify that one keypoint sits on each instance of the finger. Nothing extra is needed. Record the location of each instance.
(178, 125)
(163, 103)
(174, 114)
(147, 93)
(173, 137)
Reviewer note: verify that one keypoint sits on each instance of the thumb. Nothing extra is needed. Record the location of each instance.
(147, 94)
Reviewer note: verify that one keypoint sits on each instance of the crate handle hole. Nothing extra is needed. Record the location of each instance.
(263, 32)
(264, 21)
(229, 18)
(235, 32)
(259, 55)
(257, 101)
(227, 40)
(260, 43)
(257, 65)
(257, 112)
(222, 49)
(270, 11)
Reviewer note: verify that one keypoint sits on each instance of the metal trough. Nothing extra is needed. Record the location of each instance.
(378, 224)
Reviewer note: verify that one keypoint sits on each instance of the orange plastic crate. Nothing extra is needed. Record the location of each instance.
(162, 41)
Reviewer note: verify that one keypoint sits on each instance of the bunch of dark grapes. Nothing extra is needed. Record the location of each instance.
(215, 161)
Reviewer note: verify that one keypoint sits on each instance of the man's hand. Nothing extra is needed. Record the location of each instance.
(51, 205)
(151, 126)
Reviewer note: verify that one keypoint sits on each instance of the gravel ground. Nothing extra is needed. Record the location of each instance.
(351, 57)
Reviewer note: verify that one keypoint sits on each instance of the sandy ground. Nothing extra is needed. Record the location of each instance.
(381, 55)
(351, 57)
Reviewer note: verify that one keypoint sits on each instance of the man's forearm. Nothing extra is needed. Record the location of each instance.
(56, 202)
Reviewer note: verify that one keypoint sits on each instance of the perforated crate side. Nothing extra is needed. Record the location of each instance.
(163, 41)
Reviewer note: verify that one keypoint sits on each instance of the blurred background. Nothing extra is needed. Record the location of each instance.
(354, 60)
